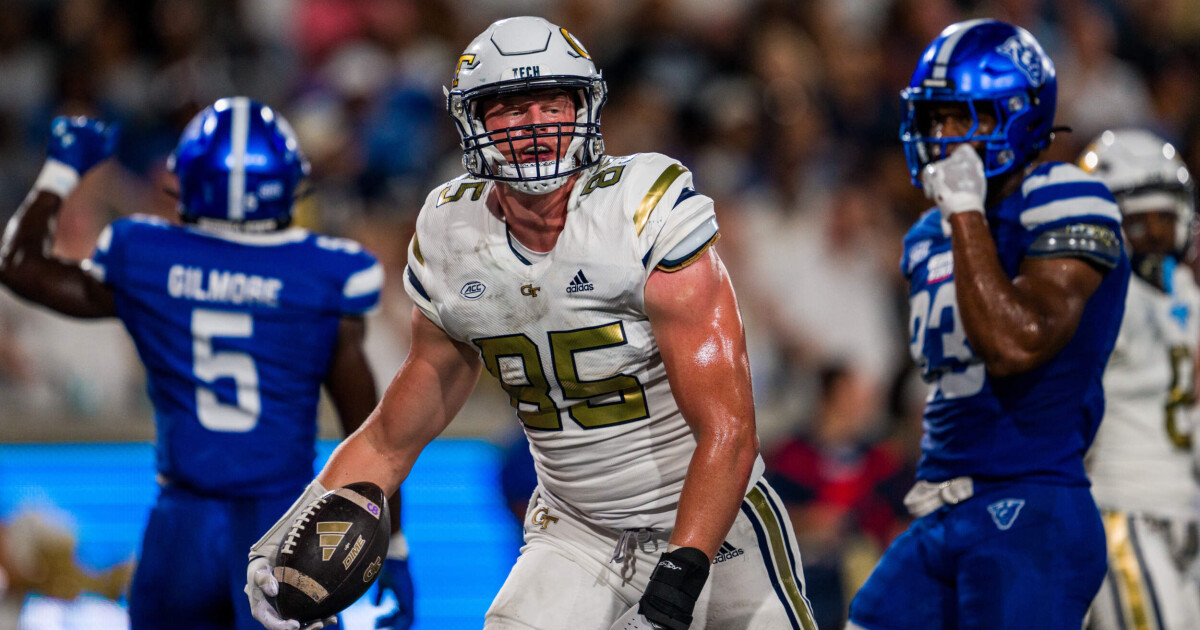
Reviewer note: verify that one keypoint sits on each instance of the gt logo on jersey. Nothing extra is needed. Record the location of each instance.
(542, 517)
(331, 534)
(1024, 57)
(530, 290)
(467, 61)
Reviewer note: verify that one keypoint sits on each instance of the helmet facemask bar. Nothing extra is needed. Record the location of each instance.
(482, 149)
(922, 148)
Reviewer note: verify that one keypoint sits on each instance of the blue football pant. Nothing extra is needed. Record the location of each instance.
(1021, 556)
(193, 562)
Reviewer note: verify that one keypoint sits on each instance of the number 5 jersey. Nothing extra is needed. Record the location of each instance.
(237, 332)
(566, 332)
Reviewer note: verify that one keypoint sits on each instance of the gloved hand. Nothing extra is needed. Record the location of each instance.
(957, 183)
(261, 584)
(670, 596)
(395, 578)
(81, 142)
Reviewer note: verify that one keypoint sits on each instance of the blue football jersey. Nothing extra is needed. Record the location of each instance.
(1036, 425)
(237, 333)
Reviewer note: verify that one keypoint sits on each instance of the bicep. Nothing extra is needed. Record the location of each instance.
(430, 388)
(695, 319)
(1058, 290)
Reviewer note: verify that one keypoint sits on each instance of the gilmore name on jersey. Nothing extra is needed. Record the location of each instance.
(236, 332)
(567, 334)
(1038, 424)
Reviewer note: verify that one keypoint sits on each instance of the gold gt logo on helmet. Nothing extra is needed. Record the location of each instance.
(574, 43)
(467, 61)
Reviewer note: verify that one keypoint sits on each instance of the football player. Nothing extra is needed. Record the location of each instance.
(588, 286)
(1017, 286)
(1141, 462)
(239, 320)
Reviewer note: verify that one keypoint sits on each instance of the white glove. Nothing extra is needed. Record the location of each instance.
(957, 183)
(261, 584)
(634, 620)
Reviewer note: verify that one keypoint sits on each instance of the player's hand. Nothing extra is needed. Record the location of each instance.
(957, 183)
(260, 585)
(671, 594)
(395, 578)
(81, 142)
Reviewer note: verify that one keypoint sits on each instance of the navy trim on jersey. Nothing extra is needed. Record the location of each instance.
(1118, 608)
(1131, 524)
(1067, 190)
(684, 195)
(508, 237)
(764, 548)
(787, 543)
(412, 277)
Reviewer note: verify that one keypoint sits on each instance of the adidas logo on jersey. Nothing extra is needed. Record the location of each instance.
(579, 283)
(727, 552)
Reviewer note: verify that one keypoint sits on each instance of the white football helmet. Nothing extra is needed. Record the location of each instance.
(524, 54)
(1145, 174)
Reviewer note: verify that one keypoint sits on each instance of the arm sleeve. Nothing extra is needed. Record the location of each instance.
(679, 223)
(1070, 214)
(106, 263)
(416, 279)
(360, 291)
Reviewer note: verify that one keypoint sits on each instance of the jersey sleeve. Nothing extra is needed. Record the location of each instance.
(1068, 213)
(360, 291)
(675, 224)
(108, 260)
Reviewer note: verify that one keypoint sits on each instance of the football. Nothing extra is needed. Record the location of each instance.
(332, 553)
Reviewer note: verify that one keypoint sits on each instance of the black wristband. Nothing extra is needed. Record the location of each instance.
(674, 585)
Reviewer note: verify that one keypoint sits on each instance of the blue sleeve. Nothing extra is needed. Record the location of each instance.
(108, 258)
(360, 290)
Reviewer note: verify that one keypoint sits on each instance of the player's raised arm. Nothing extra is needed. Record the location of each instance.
(26, 265)
(1016, 324)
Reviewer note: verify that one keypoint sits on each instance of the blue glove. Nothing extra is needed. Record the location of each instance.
(81, 142)
(395, 578)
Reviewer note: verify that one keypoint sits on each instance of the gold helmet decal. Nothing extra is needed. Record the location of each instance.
(467, 61)
(574, 43)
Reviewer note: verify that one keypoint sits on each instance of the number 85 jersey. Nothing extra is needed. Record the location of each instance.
(566, 333)
(1038, 424)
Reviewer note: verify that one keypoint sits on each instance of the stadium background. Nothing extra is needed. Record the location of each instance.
(786, 112)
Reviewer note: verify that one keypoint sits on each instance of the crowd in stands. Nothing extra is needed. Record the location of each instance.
(787, 113)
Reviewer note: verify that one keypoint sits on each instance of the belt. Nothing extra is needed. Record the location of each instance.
(926, 497)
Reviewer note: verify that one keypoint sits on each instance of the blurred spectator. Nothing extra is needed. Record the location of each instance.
(839, 486)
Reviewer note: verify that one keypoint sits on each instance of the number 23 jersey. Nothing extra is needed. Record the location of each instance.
(1036, 425)
(567, 335)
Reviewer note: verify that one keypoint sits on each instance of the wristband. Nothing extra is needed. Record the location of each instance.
(397, 547)
(56, 178)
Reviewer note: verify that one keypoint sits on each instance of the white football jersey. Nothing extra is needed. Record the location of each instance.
(567, 334)
(1134, 464)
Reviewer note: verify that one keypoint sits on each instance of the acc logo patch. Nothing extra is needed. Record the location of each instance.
(1005, 511)
(1025, 58)
(472, 290)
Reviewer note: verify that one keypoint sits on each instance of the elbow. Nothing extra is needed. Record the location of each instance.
(1012, 361)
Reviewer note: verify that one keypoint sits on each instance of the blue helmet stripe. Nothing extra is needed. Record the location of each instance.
(239, 134)
(943, 57)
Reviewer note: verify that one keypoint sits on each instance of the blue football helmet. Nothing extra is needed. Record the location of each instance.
(985, 65)
(239, 164)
